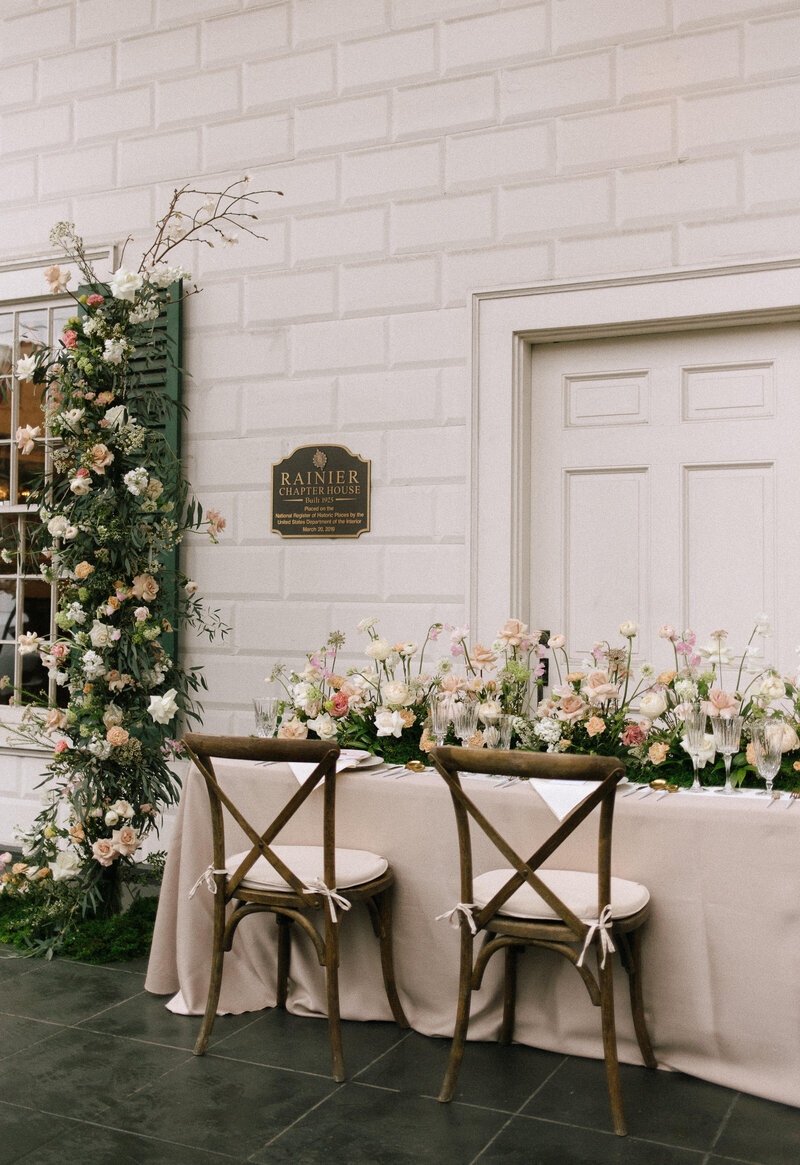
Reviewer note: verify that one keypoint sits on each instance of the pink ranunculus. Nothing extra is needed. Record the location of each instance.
(666, 631)
(721, 703)
(94, 299)
(341, 705)
(70, 338)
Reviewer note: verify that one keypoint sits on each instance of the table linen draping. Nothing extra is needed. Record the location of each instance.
(721, 950)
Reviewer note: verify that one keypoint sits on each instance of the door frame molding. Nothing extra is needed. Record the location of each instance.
(507, 323)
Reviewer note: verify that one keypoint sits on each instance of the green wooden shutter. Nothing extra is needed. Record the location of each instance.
(159, 368)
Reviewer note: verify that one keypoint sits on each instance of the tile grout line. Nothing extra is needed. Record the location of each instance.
(377, 1059)
(527, 1100)
(724, 1122)
(297, 1120)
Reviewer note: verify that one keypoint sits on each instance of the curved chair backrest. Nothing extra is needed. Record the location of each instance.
(605, 769)
(203, 750)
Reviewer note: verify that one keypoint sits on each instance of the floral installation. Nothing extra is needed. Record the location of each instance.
(601, 707)
(115, 503)
(384, 706)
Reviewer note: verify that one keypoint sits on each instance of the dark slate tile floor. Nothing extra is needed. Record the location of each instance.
(92, 1068)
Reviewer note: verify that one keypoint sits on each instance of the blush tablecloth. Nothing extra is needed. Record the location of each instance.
(721, 949)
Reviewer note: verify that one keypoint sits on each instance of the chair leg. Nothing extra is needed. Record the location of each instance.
(215, 982)
(384, 907)
(332, 989)
(284, 957)
(509, 995)
(462, 1017)
(633, 965)
(606, 980)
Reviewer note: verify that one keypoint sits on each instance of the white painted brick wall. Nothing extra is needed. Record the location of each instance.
(425, 148)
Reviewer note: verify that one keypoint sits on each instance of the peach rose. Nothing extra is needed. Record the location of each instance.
(482, 657)
(104, 851)
(407, 716)
(83, 569)
(666, 677)
(476, 741)
(101, 456)
(599, 688)
(77, 833)
(105, 398)
(293, 729)
(750, 753)
(658, 752)
(452, 683)
(117, 735)
(145, 587)
(54, 720)
(426, 743)
(513, 632)
(125, 840)
(595, 726)
(336, 681)
(571, 708)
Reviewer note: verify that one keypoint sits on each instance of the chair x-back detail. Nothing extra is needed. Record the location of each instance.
(290, 881)
(524, 905)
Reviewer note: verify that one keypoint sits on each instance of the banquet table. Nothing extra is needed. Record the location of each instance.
(721, 950)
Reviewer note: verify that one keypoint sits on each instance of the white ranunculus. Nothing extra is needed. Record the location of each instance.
(653, 704)
(628, 629)
(124, 284)
(163, 708)
(772, 687)
(324, 726)
(397, 693)
(25, 367)
(72, 419)
(100, 634)
(708, 751)
(114, 351)
(378, 649)
(57, 526)
(389, 723)
(66, 865)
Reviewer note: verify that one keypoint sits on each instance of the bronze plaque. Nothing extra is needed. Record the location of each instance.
(321, 491)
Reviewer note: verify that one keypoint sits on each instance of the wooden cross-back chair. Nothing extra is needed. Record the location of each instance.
(290, 881)
(523, 905)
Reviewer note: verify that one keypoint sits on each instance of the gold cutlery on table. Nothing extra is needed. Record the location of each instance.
(793, 796)
(666, 792)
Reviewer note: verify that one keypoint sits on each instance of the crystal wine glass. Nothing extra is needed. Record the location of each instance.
(694, 730)
(767, 737)
(497, 730)
(266, 710)
(465, 719)
(727, 738)
(441, 708)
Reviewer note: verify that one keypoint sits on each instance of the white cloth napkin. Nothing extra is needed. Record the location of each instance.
(561, 797)
(302, 771)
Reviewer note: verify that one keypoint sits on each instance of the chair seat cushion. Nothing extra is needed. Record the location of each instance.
(576, 889)
(353, 866)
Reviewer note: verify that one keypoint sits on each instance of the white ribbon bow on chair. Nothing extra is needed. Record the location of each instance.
(317, 886)
(207, 876)
(465, 908)
(603, 928)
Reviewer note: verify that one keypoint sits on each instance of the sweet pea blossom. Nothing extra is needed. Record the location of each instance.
(216, 524)
(26, 438)
(28, 642)
(163, 708)
(114, 351)
(56, 279)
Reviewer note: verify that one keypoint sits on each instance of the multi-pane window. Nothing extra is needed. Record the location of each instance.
(27, 602)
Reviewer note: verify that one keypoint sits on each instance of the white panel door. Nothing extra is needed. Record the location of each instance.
(665, 483)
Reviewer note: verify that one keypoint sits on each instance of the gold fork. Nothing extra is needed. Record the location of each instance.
(793, 796)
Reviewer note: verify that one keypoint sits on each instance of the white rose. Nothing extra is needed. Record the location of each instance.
(116, 416)
(324, 726)
(66, 865)
(163, 708)
(379, 649)
(122, 809)
(124, 284)
(389, 723)
(396, 692)
(628, 629)
(80, 486)
(653, 704)
(707, 752)
(490, 708)
(100, 634)
(57, 526)
(772, 687)
(191, 587)
(111, 817)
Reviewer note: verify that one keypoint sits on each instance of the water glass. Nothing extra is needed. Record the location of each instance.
(767, 737)
(497, 730)
(694, 730)
(727, 738)
(266, 710)
(441, 708)
(465, 719)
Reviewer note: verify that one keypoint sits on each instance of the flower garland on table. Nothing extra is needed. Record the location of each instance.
(385, 707)
(602, 708)
(114, 505)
